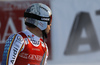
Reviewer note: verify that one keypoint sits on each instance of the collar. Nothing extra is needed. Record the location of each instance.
(28, 33)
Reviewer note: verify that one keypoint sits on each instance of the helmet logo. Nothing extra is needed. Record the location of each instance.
(34, 9)
(45, 19)
(41, 24)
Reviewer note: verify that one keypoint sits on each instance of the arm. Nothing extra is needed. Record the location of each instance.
(12, 48)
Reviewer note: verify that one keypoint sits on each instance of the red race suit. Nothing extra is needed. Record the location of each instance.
(25, 48)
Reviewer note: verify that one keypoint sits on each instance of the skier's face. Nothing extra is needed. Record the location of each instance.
(48, 28)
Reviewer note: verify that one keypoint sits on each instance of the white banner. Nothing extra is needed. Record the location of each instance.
(75, 38)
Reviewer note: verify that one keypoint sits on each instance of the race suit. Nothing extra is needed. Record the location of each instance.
(25, 48)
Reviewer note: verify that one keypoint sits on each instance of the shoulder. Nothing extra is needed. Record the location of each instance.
(14, 38)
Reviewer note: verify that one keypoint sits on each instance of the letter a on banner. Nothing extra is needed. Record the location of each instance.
(82, 21)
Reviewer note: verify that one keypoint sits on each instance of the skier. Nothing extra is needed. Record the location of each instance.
(28, 47)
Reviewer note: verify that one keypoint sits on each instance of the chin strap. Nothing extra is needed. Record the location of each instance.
(44, 34)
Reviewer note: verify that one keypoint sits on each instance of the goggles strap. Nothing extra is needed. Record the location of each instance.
(30, 15)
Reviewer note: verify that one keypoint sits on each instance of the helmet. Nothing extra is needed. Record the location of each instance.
(39, 15)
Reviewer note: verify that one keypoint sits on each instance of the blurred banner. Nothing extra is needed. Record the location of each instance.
(75, 32)
(12, 20)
